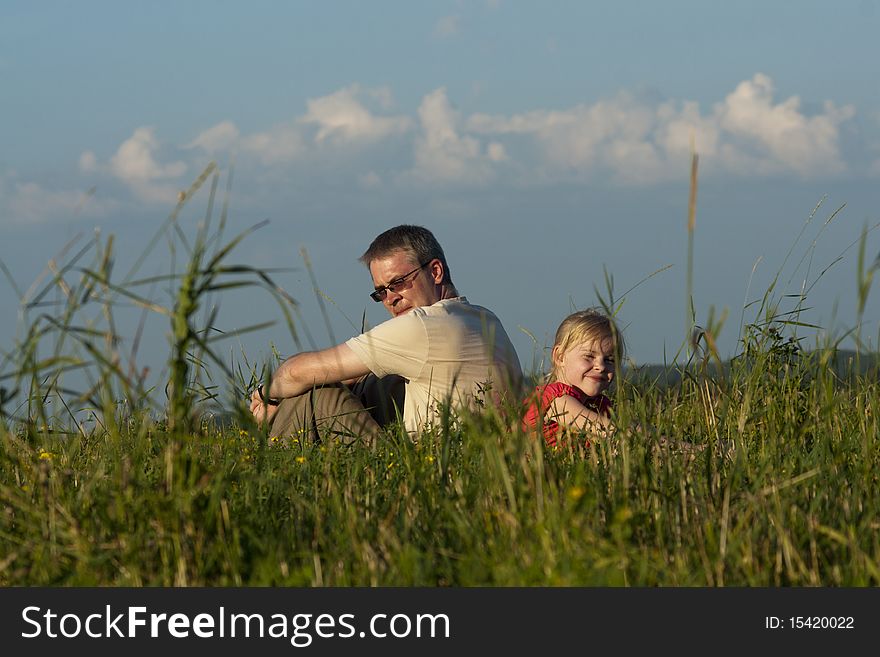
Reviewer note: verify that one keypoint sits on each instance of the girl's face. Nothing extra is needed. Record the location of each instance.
(589, 366)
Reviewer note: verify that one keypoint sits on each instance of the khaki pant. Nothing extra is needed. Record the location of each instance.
(348, 413)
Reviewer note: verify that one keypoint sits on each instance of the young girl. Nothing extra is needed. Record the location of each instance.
(584, 357)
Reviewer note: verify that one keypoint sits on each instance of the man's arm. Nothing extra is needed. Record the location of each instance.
(304, 371)
(300, 373)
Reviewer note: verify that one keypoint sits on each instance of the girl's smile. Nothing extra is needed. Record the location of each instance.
(589, 366)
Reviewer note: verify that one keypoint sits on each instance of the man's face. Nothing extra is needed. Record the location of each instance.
(420, 288)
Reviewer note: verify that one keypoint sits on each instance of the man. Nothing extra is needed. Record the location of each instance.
(443, 349)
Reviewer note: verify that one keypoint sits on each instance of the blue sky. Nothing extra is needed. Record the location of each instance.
(543, 143)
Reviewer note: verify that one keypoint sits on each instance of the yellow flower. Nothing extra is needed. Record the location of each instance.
(300, 459)
(46, 456)
(429, 458)
(575, 493)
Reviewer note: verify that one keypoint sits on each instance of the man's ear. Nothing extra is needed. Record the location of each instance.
(437, 271)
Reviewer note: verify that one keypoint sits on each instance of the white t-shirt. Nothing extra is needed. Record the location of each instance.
(448, 351)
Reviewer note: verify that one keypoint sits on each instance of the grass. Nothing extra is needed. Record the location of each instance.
(783, 493)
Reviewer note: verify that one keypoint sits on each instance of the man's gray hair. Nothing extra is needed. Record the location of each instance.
(417, 242)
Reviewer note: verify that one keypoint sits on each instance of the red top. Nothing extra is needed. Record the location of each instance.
(544, 395)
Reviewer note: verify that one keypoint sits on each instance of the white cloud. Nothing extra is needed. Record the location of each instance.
(625, 139)
(635, 142)
(783, 137)
(88, 162)
(341, 117)
(369, 180)
(680, 130)
(495, 152)
(441, 154)
(611, 135)
(281, 144)
(341, 120)
(29, 203)
(221, 137)
(447, 27)
(382, 95)
(135, 164)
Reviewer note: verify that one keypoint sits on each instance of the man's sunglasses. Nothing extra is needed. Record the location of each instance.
(397, 284)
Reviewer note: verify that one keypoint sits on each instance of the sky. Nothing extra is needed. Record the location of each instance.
(547, 145)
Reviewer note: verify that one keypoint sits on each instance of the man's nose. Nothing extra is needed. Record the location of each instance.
(391, 298)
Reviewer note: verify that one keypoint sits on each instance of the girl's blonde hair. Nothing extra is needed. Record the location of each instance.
(586, 326)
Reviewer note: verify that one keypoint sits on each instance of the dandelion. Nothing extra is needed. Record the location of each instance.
(575, 493)
(46, 456)
(300, 459)
(429, 458)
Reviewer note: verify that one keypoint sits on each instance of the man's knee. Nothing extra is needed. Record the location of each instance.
(328, 412)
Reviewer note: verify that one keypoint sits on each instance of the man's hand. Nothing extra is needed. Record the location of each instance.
(262, 412)
(299, 373)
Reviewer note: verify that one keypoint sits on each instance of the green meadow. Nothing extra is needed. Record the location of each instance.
(760, 470)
